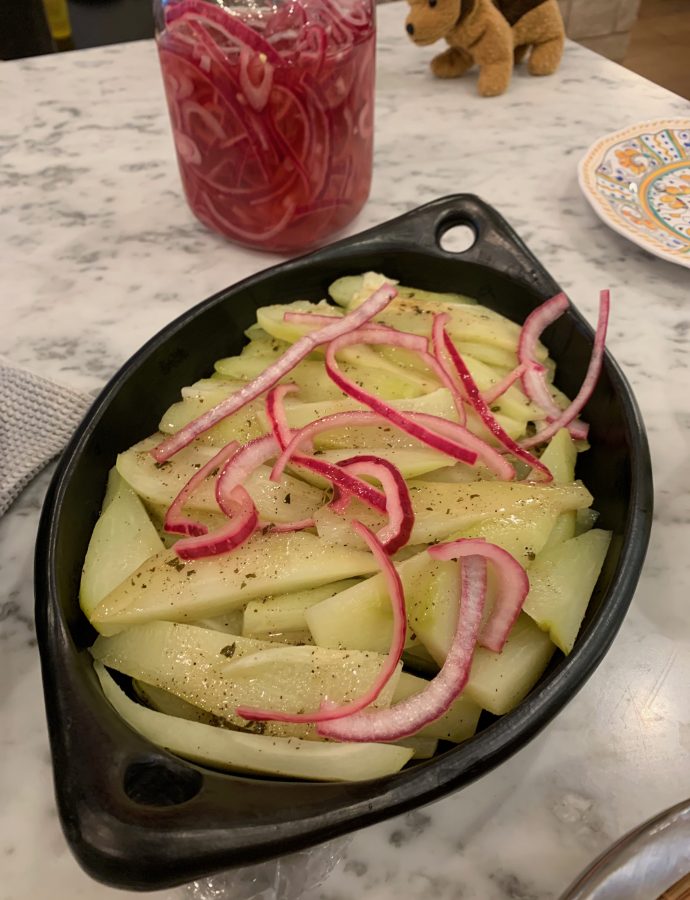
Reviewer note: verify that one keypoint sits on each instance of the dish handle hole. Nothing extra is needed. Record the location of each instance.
(156, 782)
(458, 238)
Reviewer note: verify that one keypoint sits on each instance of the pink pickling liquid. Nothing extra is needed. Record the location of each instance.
(272, 115)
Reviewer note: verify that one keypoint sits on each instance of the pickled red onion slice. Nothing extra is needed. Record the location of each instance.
(177, 523)
(533, 380)
(340, 480)
(375, 333)
(229, 536)
(566, 417)
(398, 501)
(401, 420)
(437, 346)
(276, 414)
(498, 390)
(335, 420)
(513, 585)
(329, 711)
(256, 92)
(475, 398)
(378, 334)
(260, 450)
(299, 525)
(273, 373)
(492, 459)
(232, 28)
(408, 716)
(240, 466)
(305, 318)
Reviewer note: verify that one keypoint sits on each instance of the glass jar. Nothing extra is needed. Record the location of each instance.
(272, 108)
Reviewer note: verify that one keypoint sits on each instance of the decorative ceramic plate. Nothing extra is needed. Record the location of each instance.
(638, 182)
(653, 860)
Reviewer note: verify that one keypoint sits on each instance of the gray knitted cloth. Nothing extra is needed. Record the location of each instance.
(37, 417)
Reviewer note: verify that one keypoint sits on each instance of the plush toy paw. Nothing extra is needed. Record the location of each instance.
(452, 63)
(545, 58)
(494, 78)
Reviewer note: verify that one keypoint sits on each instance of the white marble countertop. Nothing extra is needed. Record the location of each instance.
(100, 251)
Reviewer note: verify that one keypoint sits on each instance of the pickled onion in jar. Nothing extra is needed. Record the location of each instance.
(272, 112)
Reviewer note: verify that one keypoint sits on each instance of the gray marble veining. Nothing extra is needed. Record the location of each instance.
(100, 251)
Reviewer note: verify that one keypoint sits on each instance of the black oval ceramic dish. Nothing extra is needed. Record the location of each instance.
(137, 817)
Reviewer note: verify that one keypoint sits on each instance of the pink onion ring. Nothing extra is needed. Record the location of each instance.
(306, 318)
(565, 418)
(240, 466)
(241, 527)
(535, 323)
(339, 501)
(175, 522)
(533, 380)
(498, 390)
(276, 414)
(401, 420)
(315, 54)
(437, 343)
(416, 343)
(408, 716)
(257, 94)
(375, 333)
(341, 15)
(492, 459)
(273, 373)
(335, 420)
(281, 430)
(285, 527)
(329, 711)
(398, 501)
(260, 450)
(232, 27)
(477, 401)
(490, 456)
(513, 585)
(247, 235)
(341, 480)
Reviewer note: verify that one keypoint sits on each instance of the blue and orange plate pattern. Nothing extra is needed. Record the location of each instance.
(638, 182)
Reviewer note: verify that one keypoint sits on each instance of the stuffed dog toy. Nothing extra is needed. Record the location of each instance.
(491, 33)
